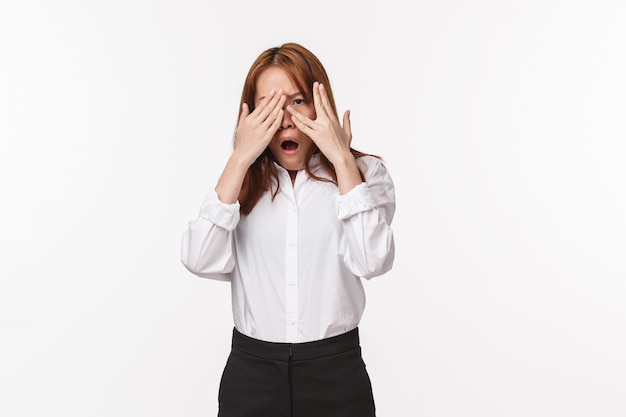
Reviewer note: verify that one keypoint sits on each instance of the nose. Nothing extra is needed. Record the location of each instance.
(287, 123)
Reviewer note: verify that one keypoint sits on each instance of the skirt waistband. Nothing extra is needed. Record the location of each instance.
(296, 351)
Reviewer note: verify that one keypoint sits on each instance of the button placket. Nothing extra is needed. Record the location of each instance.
(291, 271)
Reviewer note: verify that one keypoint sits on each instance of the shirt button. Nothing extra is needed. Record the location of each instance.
(292, 244)
(291, 283)
(291, 322)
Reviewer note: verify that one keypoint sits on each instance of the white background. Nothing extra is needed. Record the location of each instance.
(502, 124)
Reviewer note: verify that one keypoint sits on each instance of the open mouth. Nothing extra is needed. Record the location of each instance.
(289, 145)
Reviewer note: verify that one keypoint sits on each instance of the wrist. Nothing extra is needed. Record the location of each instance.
(344, 161)
(240, 160)
(348, 174)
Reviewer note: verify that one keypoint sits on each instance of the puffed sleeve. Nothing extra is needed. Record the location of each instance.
(366, 213)
(207, 247)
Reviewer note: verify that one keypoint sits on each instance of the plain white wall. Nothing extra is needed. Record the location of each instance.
(502, 124)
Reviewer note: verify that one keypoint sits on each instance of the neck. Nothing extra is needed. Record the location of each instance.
(292, 175)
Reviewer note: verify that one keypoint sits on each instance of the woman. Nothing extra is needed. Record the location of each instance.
(295, 222)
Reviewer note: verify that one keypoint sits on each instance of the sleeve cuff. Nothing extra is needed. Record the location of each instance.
(221, 214)
(354, 201)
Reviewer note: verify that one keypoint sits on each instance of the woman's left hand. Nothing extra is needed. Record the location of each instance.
(331, 138)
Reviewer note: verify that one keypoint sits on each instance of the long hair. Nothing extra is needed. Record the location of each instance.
(303, 69)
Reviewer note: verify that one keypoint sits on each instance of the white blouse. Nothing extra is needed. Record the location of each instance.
(295, 264)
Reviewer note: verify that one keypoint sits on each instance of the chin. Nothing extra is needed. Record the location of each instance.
(294, 163)
(291, 165)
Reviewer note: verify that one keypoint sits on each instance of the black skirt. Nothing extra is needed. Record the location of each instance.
(324, 378)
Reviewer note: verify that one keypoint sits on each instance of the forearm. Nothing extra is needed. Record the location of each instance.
(231, 180)
(370, 248)
(366, 213)
(348, 174)
(207, 244)
(206, 250)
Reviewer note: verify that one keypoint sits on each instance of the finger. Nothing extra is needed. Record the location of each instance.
(274, 115)
(302, 126)
(326, 102)
(347, 126)
(274, 106)
(245, 111)
(317, 101)
(267, 104)
(299, 116)
(276, 124)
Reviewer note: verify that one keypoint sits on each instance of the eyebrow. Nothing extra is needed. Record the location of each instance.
(289, 96)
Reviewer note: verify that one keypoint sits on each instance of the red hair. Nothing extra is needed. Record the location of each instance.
(304, 69)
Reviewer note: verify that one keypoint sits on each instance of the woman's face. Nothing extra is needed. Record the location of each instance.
(289, 145)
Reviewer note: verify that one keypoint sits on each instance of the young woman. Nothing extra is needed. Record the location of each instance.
(295, 222)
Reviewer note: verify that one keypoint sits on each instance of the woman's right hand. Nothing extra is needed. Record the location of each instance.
(255, 130)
